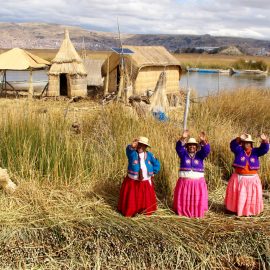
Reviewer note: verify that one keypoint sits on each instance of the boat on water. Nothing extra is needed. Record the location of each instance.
(230, 71)
(249, 71)
(203, 70)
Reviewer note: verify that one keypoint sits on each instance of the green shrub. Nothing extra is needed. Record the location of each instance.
(250, 64)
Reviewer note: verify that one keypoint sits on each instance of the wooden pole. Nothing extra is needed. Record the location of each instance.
(121, 83)
(31, 88)
(5, 79)
(187, 103)
(2, 81)
(218, 81)
(106, 90)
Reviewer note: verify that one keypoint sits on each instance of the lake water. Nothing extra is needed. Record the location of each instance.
(208, 84)
(20, 79)
(204, 83)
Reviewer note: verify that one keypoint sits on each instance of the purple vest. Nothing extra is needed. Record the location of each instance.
(195, 163)
(241, 157)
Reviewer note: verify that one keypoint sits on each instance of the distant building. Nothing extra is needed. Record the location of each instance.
(261, 51)
(207, 49)
(198, 50)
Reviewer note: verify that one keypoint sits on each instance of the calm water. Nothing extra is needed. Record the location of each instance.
(207, 84)
(204, 83)
(20, 79)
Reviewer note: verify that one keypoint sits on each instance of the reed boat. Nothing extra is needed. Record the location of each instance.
(203, 70)
(248, 71)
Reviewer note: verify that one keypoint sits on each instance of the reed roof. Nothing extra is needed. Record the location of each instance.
(19, 59)
(143, 56)
(67, 60)
(152, 56)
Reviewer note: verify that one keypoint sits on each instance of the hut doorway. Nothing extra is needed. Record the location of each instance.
(118, 76)
(63, 85)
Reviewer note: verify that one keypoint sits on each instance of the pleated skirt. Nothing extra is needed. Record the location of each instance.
(244, 195)
(191, 197)
(137, 197)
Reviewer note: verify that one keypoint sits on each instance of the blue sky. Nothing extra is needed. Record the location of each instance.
(241, 18)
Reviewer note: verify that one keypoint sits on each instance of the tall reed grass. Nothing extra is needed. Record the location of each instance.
(63, 214)
(250, 64)
(218, 60)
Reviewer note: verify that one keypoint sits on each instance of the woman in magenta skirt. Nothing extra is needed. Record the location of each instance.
(244, 190)
(190, 194)
(137, 194)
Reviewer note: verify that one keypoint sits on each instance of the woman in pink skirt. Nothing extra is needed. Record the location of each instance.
(137, 194)
(190, 194)
(244, 190)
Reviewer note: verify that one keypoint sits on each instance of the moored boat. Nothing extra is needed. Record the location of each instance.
(203, 70)
(249, 71)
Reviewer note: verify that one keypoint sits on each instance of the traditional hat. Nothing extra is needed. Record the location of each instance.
(247, 138)
(192, 141)
(143, 140)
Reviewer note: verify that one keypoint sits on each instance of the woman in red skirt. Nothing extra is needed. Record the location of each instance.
(137, 194)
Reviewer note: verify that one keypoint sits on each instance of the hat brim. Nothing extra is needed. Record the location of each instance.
(196, 143)
(144, 143)
(247, 141)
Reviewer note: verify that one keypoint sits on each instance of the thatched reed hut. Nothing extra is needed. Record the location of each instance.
(141, 70)
(67, 75)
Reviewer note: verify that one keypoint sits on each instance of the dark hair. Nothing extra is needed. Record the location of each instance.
(247, 142)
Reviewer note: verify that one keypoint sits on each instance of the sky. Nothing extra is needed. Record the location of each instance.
(238, 18)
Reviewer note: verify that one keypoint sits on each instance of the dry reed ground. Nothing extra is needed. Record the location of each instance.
(63, 215)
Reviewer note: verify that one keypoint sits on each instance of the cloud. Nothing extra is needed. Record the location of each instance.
(233, 18)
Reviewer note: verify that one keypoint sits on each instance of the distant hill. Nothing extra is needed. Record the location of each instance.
(180, 42)
(50, 36)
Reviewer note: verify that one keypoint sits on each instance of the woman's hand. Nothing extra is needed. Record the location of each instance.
(264, 138)
(184, 135)
(243, 136)
(134, 144)
(202, 137)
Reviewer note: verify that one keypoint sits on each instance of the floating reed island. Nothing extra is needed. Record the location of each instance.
(63, 213)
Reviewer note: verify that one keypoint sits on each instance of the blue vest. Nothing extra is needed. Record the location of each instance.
(152, 163)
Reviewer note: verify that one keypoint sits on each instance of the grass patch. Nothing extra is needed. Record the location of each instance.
(250, 64)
